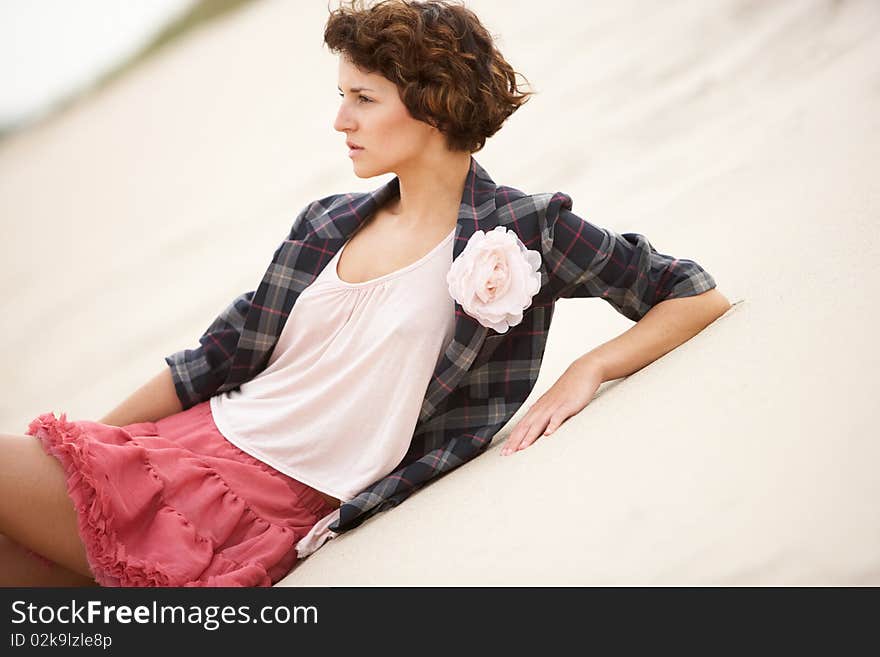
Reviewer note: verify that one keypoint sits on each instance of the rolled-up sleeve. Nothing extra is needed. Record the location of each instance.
(201, 372)
(198, 373)
(586, 260)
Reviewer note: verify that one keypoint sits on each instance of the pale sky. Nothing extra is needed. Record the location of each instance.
(49, 48)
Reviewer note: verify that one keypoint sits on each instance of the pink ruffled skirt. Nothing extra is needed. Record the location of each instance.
(173, 503)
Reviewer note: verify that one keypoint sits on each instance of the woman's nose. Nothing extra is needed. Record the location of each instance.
(343, 120)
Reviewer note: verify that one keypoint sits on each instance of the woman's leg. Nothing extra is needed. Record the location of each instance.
(35, 508)
(18, 568)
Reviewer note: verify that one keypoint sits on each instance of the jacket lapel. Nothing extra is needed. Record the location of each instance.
(476, 212)
(327, 233)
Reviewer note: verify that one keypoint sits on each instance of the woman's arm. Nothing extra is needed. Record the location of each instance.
(670, 299)
(622, 269)
(662, 329)
(153, 401)
(665, 326)
(198, 374)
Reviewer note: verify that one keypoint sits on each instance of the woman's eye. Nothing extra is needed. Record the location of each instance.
(363, 98)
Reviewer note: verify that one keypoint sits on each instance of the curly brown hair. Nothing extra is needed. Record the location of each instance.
(443, 61)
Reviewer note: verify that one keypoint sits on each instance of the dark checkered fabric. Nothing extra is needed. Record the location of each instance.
(484, 376)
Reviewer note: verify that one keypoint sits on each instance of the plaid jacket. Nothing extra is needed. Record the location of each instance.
(483, 377)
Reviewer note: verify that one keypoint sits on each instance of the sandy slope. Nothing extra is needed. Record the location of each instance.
(743, 135)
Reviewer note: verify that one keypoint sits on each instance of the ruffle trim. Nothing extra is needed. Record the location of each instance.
(110, 563)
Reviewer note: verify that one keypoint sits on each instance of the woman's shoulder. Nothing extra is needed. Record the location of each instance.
(313, 213)
(331, 201)
(529, 213)
(512, 198)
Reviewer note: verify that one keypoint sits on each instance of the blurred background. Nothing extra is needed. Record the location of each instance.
(53, 52)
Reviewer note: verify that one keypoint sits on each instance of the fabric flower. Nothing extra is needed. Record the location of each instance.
(494, 278)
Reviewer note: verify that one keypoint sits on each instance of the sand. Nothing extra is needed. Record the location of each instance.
(743, 135)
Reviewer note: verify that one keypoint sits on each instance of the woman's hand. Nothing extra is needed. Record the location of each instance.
(567, 397)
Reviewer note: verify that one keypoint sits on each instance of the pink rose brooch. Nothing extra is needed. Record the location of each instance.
(494, 278)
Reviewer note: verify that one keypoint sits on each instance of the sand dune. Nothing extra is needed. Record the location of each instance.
(743, 135)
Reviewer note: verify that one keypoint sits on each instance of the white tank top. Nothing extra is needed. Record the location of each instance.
(338, 402)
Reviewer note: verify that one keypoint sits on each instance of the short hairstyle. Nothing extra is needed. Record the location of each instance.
(442, 60)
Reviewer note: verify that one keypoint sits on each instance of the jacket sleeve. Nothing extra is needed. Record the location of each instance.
(199, 372)
(585, 260)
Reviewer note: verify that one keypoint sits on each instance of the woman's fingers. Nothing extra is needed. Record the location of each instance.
(525, 433)
(533, 426)
(558, 418)
(513, 440)
(533, 433)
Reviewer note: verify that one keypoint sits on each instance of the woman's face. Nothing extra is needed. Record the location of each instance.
(375, 119)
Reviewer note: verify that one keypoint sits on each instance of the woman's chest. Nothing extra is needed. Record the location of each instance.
(380, 249)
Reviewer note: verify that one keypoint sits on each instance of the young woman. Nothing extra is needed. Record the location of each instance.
(393, 335)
